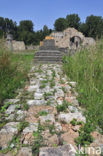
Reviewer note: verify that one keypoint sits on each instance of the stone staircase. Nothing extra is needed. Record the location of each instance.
(48, 53)
(48, 56)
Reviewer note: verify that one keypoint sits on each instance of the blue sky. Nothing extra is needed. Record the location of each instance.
(43, 12)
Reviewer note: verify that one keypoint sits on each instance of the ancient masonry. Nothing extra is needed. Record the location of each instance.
(59, 43)
(37, 118)
(48, 52)
(14, 45)
(68, 39)
(72, 39)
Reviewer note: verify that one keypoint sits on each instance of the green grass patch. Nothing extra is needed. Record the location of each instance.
(13, 73)
(63, 107)
(43, 113)
(38, 140)
(86, 68)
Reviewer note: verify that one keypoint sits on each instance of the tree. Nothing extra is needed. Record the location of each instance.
(45, 31)
(83, 28)
(26, 25)
(2, 23)
(60, 24)
(26, 36)
(7, 26)
(25, 32)
(73, 20)
(94, 26)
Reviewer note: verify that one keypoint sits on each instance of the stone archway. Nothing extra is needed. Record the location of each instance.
(75, 42)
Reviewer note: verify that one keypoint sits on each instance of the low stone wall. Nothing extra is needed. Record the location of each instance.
(18, 45)
(32, 47)
(89, 41)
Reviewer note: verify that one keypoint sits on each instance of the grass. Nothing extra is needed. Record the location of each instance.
(47, 95)
(38, 140)
(43, 113)
(43, 84)
(63, 107)
(86, 68)
(85, 137)
(4, 107)
(74, 122)
(22, 125)
(13, 72)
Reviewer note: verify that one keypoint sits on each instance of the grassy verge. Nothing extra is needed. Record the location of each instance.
(86, 68)
(13, 72)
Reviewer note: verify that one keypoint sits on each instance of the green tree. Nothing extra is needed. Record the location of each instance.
(1, 33)
(73, 20)
(26, 25)
(60, 24)
(26, 36)
(2, 23)
(7, 26)
(83, 28)
(25, 32)
(94, 26)
(46, 31)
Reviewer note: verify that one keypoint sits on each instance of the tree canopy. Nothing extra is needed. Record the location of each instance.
(73, 20)
(26, 25)
(60, 24)
(94, 26)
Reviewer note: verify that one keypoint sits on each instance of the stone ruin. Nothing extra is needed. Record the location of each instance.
(48, 52)
(71, 39)
(59, 43)
(13, 45)
(18, 45)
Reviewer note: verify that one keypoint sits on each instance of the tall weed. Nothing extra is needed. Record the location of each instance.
(86, 68)
(13, 72)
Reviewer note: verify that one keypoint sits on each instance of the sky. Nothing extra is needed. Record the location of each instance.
(45, 12)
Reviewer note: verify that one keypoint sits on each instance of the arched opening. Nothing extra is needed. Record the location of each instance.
(75, 41)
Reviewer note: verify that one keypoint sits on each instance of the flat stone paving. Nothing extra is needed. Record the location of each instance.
(36, 104)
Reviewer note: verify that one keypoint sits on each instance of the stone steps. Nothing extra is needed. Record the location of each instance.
(48, 53)
(47, 59)
(47, 62)
(48, 48)
(36, 105)
(48, 56)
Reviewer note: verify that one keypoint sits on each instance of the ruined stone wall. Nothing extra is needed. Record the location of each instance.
(63, 39)
(18, 45)
(89, 41)
(32, 47)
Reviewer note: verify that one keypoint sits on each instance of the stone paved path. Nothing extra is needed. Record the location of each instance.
(40, 115)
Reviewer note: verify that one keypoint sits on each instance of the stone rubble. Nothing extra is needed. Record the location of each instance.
(47, 88)
(7, 133)
(67, 117)
(66, 150)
